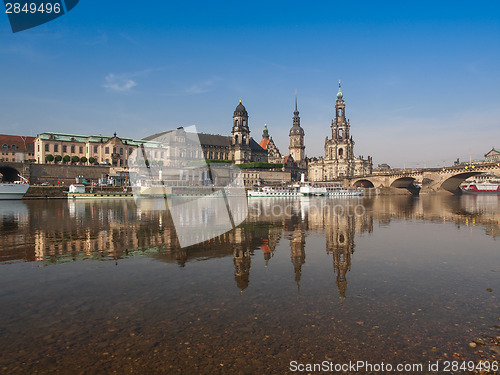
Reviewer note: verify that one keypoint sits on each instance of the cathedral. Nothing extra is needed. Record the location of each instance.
(241, 148)
(339, 160)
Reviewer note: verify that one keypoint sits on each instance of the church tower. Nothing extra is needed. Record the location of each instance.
(297, 137)
(240, 141)
(340, 148)
(339, 160)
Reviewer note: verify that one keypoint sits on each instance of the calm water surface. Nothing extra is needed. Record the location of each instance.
(103, 287)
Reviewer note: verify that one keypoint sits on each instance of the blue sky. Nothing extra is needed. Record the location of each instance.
(421, 81)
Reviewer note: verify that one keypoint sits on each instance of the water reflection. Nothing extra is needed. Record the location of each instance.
(60, 231)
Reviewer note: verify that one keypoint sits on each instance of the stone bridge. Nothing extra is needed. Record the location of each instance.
(432, 179)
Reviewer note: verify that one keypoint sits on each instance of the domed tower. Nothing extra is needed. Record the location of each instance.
(241, 135)
(297, 137)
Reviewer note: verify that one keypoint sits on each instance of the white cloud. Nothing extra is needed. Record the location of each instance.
(200, 88)
(119, 83)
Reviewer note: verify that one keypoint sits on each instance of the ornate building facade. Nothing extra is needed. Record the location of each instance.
(267, 143)
(244, 149)
(339, 160)
(96, 149)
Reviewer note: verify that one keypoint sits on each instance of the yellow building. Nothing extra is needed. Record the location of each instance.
(94, 149)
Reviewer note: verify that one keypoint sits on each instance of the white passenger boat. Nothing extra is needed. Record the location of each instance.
(339, 191)
(275, 191)
(305, 190)
(310, 190)
(15, 190)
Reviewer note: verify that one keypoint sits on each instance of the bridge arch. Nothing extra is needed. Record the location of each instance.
(364, 183)
(9, 173)
(452, 183)
(403, 182)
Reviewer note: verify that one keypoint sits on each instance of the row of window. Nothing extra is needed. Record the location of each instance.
(5, 145)
(73, 149)
(215, 155)
(6, 153)
(7, 159)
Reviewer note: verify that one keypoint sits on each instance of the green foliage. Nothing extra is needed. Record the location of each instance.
(260, 165)
(49, 158)
(92, 160)
(155, 163)
(66, 159)
(75, 159)
(83, 159)
(213, 161)
(58, 158)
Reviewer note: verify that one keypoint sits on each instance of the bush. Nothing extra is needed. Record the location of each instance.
(261, 165)
(75, 159)
(92, 160)
(210, 161)
(49, 158)
(58, 158)
(83, 159)
(66, 159)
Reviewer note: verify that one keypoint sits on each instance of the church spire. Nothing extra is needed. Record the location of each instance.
(265, 133)
(339, 94)
(296, 101)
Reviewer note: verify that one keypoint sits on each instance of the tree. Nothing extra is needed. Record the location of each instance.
(58, 158)
(91, 160)
(66, 159)
(49, 158)
(83, 159)
(75, 159)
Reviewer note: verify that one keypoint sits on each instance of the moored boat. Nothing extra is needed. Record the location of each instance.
(78, 191)
(10, 191)
(305, 189)
(340, 191)
(481, 188)
(275, 191)
(15, 190)
(309, 190)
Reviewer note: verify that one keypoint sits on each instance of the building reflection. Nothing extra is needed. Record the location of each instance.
(297, 248)
(60, 231)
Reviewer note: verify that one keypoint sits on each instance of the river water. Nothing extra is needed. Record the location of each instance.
(104, 287)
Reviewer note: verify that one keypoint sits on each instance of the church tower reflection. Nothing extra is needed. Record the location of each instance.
(297, 251)
(241, 258)
(242, 263)
(340, 243)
